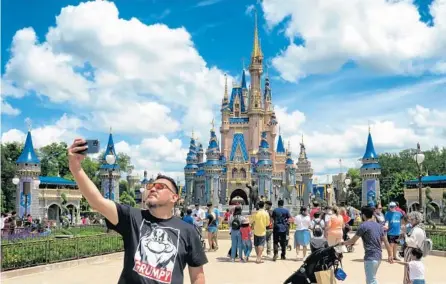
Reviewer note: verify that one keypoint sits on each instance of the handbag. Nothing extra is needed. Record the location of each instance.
(339, 273)
(325, 277)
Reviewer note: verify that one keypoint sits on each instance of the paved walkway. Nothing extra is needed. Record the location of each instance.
(220, 271)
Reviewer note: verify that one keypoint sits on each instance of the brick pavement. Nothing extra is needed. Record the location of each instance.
(220, 271)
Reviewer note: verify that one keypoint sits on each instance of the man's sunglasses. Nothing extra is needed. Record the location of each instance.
(159, 186)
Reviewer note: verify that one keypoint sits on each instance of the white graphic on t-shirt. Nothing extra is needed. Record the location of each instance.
(156, 253)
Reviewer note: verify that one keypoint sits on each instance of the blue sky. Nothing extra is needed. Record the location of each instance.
(332, 76)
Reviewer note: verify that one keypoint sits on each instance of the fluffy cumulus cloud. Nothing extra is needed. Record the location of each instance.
(324, 149)
(65, 129)
(128, 74)
(387, 36)
(290, 121)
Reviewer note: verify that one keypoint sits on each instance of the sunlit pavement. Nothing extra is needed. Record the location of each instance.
(220, 271)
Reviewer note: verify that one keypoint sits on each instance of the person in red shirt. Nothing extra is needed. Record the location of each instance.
(316, 208)
(246, 232)
(346, 218)
(227, 215)
(398, 208)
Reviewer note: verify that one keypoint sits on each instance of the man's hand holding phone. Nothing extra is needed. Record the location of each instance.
(78, 150)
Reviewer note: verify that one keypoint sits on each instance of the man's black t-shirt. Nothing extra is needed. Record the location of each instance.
(156, 250)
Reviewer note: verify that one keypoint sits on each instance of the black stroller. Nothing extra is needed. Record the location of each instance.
(200, 234)
(322, 259)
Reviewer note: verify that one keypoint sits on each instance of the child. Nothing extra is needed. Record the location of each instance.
(416, 267)
(318, 241)
(246, 233)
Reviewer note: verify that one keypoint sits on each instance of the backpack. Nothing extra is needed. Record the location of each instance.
(236, 224)
(317, 225)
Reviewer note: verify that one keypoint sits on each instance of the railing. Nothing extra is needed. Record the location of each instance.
(31, 253)
(27, 233)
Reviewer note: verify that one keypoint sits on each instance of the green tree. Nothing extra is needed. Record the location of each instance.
(126, 198)
(123, 186)
(354, 190)
(54, 160)
(9, 155)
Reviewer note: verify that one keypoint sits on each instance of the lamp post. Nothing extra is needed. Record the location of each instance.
(142, 189)
(347, 182)
(110, 159)
(419, 159)
(16, 181)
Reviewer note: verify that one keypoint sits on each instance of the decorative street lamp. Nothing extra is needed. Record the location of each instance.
(15, 180)
(347, 182)
(419, 159)
(142, 189)
(110, 159)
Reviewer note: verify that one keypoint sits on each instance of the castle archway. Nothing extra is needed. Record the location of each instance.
(237, 196)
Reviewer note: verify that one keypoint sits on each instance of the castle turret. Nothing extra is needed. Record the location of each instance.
(267, 95)
(190, 170)
(255, 110)
(132, 179)
(370, 172)
(213, 169)
(306, 172)
(110, 173)
(280, 155)
(28, 171)
(290, 176)
(200, 153)
(264, 168)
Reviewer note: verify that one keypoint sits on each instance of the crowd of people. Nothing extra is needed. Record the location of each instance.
(318, 228)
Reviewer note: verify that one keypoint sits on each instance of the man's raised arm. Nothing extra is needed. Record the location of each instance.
(86, 186)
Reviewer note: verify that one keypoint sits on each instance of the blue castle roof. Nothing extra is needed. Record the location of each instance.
(56, 181)
(429, 180)
(213, 143)
(263, 143)
(110, 150)
(237, 92)
(370, 149)
(239, 141)
(289, 159)
(243, 80)
(280, 147)
(28, 155)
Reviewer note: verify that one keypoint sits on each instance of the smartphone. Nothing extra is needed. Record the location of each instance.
(93, 147)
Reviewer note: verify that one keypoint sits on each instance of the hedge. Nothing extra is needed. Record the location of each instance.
(31, 253)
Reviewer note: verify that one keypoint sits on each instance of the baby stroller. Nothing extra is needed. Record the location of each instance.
(322, 259)
(200, 234)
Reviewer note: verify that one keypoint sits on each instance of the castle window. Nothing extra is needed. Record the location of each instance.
(234, 173)
(243, 173)
(237, 110)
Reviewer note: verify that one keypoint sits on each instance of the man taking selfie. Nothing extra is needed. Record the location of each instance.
(157, 246)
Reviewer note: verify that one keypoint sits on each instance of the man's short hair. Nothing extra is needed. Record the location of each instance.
(280, 202)
(315, 203)
(261, 204)
(172, 181)
(368, 211)
(209, 204)
(196, 204)
(189, 211)
(317, 214)
(269, 203)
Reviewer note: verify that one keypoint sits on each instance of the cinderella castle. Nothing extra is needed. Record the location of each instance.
(247, 153)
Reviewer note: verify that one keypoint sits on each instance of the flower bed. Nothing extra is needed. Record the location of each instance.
(38, 252)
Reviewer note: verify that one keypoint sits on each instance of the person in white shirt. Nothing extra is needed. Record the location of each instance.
(302, 235)
(414, 241)
(199, 216)
(415, 266)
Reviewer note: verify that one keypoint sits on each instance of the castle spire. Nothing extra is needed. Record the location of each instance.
(225, 96)
(256, 49)
(110, 150)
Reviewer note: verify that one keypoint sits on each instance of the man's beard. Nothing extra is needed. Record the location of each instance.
(153, 205)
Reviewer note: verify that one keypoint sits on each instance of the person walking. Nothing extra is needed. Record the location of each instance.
(280, 228)
(199, 215)
(393, 226)
(335, 227)
(188, 217)
(260, 222)
(236, 221)
(217, 222)
(157, 246)
(246, 233)
(414, 240)
(212, 228)
(269, 228)
(302, 235)
(372, 235)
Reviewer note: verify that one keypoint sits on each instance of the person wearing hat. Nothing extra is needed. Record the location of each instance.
(246, 232)
(393, 226)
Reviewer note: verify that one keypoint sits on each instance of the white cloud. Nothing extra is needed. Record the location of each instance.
(128, 62)
(8, 109)
(324, 149)
(290, 123)
(387, 36)
(63, 130)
